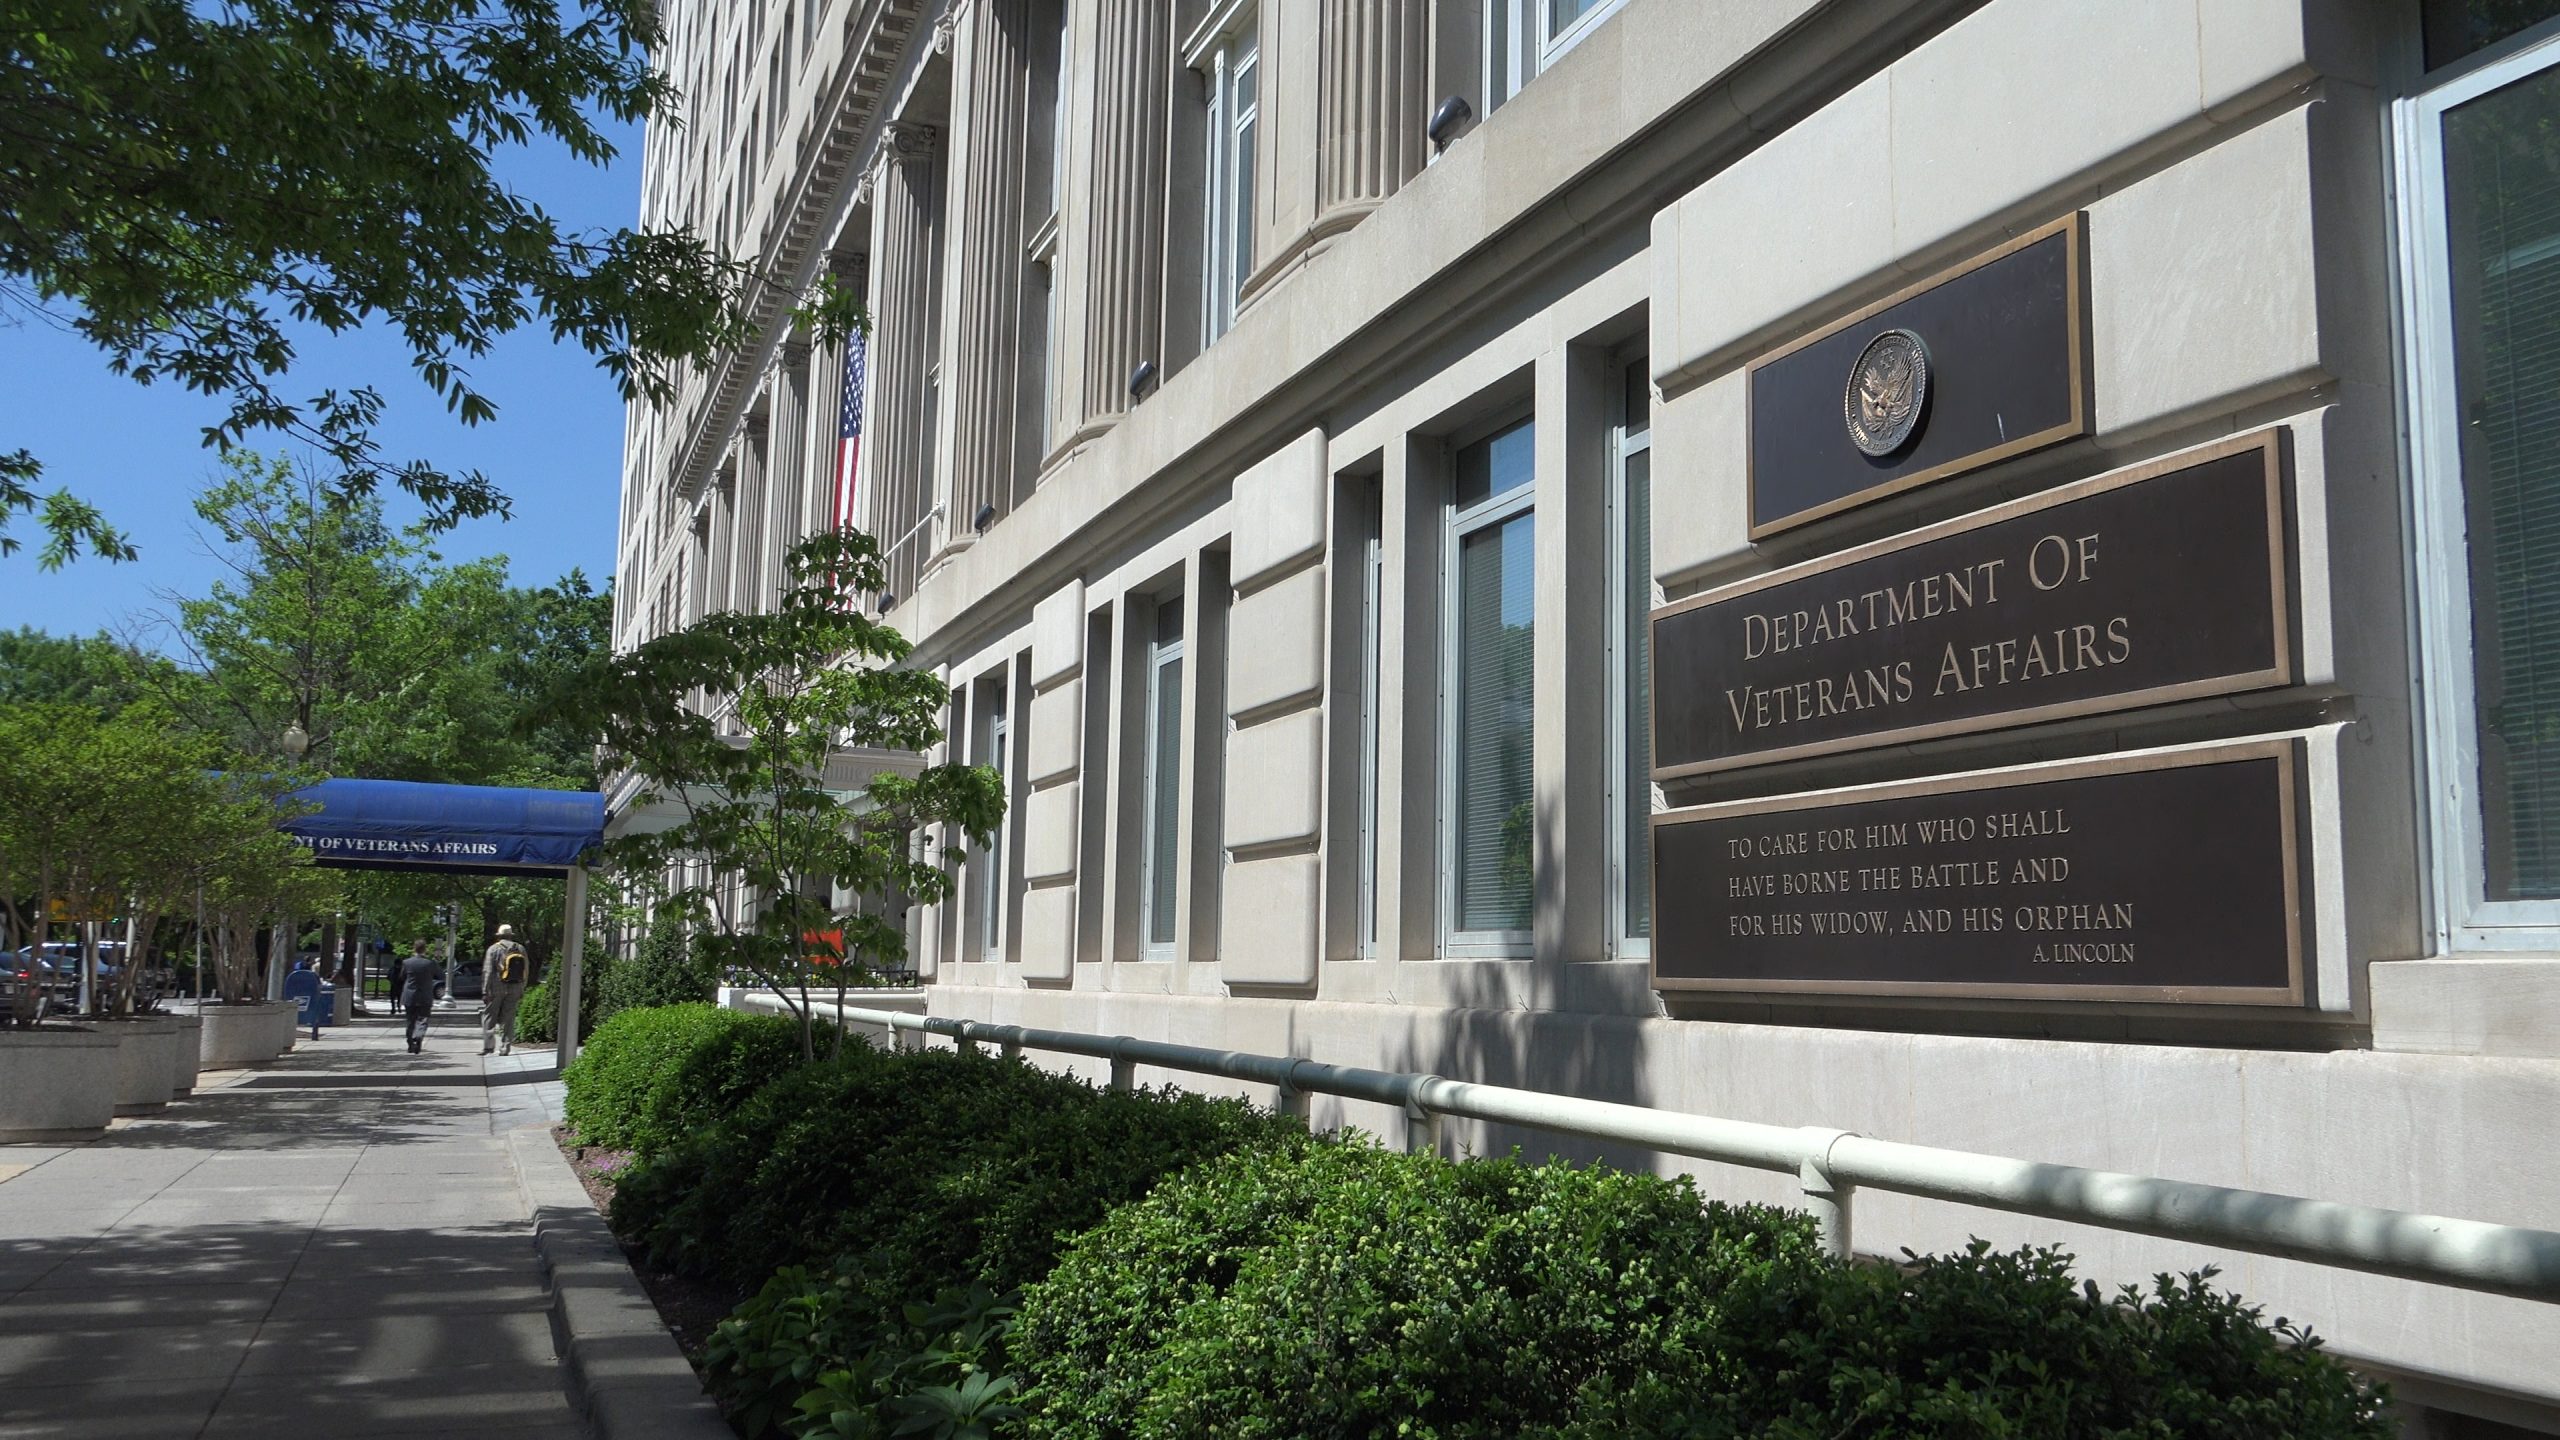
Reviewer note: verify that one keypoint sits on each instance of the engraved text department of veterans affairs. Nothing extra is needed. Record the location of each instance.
(1888, 387)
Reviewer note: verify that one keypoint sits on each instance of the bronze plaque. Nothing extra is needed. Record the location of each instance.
(2000, 349)
(2163, 582)
(2169, 877)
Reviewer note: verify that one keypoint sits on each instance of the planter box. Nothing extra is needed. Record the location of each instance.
(145, 1066)
(56, 1084)
(187, 1056)
(240, 1035)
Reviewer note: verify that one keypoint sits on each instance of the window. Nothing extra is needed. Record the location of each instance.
(2482, 191)
(1159, 884)
(1231, 69)
(1490, 828)
(1630, 673)
(1372, 629)
(1523, 37)
(991, 862)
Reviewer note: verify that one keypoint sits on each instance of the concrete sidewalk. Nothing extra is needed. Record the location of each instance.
(333, 1245)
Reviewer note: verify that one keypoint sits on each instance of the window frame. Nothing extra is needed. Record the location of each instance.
(1223, 51)
(1456, 526)
(1516, 38)
(997, 733)
(2463, 917)
(1373, 595)
(1626, 440)
(1160, 653)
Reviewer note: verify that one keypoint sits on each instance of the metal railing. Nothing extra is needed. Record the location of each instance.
(1830, 1166)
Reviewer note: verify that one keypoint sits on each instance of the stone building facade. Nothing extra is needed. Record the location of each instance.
(1314, 437)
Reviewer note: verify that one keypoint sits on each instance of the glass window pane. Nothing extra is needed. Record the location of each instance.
(1497, 465)
(1496, 820)
(1562, 13)
(1164, 790)
(2455, 28)
(2502, 178)
(1243, 237)
(1637, 784)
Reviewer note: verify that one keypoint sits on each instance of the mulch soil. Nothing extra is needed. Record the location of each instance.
(688, 1304)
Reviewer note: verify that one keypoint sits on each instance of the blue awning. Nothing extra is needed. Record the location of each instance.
(469, 829)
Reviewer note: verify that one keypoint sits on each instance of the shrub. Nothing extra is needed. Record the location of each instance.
(1339, 1289)
(648, 1078)
(1996, 1343)
(939, 1169)
(667, 968)
(538, 1014)
(807, 1356)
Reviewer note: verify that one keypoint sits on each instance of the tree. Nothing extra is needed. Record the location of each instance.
(190, 181)
(731, 721)
(93, 670)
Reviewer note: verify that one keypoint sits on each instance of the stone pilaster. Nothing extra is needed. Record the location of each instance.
(748, 526)
(906, 304)
(1124, 205)
(1374, 101)
(982, 325)
(795, 463)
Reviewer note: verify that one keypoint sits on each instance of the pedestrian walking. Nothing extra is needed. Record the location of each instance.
(504, 972)
(414, 985)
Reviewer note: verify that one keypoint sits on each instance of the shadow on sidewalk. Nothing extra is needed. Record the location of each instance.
(245, 1329)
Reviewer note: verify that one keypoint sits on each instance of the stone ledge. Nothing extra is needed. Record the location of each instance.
(2468, 1005)
(621, 1368)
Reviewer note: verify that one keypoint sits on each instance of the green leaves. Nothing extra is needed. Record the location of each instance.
(732, 722)
(185, 182)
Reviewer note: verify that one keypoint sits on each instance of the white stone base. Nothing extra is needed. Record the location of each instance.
(241, 1035)
(186, 1056)
(146, 1071)
(56, 1084)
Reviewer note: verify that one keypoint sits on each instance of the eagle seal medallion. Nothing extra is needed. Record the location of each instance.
(1888, 386)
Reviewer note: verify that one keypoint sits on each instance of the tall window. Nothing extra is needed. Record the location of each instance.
(991, 867)
(1523, 37)
(1159, 886)
(1491, 827)
(1372, 628)
(2483, 221)
(1232, 70)
(1631, 677)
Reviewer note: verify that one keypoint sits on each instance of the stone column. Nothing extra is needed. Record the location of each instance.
(982, 326)
(1124, 205)
(748, 525)
(1375, 101)
(795, 464)
(906, 327)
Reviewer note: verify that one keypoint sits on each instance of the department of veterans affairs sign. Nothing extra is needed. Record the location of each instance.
(2167, 581)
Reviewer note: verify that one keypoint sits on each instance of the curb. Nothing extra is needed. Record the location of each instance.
(621, 1368)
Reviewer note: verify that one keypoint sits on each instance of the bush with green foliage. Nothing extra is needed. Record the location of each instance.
(1340, 1289)
(538, 1014)
(945, 1168)
(667, 968)
(807, 1357)
(647, 1079)
(1995, 1343)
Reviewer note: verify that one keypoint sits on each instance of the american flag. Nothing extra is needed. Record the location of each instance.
(849, 428)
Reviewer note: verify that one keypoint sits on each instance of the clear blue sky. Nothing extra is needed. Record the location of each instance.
(136, 452)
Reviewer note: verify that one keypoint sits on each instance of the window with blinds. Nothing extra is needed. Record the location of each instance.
(1634, 591)
(2502, 186)
(1493, 819)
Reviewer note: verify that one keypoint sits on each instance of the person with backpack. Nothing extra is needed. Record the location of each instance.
(505, 971)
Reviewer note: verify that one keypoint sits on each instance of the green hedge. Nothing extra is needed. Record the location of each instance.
(947, 1168)
(648, 1079)
(1341, 1290)
(666, 968)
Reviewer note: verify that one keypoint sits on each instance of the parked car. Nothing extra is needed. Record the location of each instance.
(466, 980)
(57, 970)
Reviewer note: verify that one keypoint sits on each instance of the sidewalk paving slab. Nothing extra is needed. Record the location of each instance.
(337, 1244)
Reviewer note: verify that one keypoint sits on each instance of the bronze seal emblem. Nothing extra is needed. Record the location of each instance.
(1888, 386)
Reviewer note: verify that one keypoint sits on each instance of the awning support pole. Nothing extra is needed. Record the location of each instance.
(573, 951)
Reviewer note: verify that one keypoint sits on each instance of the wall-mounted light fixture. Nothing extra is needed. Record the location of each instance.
(1448, 120)
(986, 517)
(1142, 379)
(888, 601)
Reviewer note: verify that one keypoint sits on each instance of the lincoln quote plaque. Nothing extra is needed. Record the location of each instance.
(2165, 582)
(2171, 876)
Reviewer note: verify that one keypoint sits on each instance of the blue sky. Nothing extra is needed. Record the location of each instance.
(136, 452)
